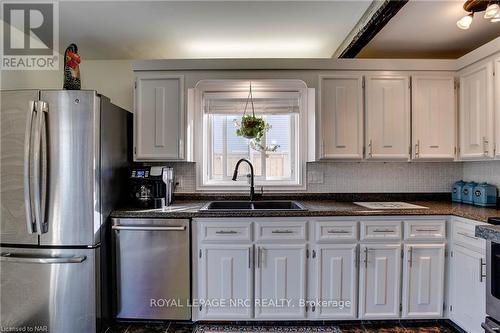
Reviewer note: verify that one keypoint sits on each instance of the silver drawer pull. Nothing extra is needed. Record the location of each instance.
(467, 235)
(427, 230)
(383, 230)
(226, 232)
(122, 227)
(282, 232)
(338, 231)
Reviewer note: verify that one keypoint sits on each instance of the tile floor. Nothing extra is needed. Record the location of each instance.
(336, 327)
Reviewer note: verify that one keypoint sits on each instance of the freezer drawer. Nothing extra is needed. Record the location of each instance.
(49, 290)
(152, 268)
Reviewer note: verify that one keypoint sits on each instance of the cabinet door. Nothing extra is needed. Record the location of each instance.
(336, 281)
(423, 281)
(476, 112)
(388, 117)
(380, 282)
(341, 117)
(226, 281)
(497, 106)
(433, 113)
(280, 277)
(468, 291)
(159, 118)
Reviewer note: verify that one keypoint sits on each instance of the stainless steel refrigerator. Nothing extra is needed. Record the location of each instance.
(63, 154)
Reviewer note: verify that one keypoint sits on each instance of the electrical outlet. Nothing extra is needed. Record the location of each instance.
(315, 177)
(179, 181)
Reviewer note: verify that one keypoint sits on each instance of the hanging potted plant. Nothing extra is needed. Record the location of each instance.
(253, 128)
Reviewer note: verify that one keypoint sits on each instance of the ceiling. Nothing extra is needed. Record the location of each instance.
(208, 29)
(427, 29)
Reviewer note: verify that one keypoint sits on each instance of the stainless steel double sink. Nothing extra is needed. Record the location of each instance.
(230, 205)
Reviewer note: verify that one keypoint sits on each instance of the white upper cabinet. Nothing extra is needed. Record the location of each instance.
(380, 281)
(497, 106)
(476, 112)
(433, 117)
(341, 117)
(388, 117)
(423, 281)
(159, 117)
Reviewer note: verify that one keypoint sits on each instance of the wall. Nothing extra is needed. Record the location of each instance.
(485, 171)
(112, 78)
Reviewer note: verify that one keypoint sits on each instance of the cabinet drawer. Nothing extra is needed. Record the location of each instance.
(336, 230)
(464, 234)
(280, 230)
(380, 230)
(431, 229)
(230, 231)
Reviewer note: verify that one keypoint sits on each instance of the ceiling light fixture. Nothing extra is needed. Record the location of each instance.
(464, 22)
(491, 12)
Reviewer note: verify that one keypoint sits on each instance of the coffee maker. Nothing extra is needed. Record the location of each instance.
(147, 186)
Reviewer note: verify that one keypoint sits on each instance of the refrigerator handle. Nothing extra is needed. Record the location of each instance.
(41, 108)
(41, 259)
(27, 168)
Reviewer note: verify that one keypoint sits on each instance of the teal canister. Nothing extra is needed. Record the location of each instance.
(468, 192)
(456, 192)
(485, 195)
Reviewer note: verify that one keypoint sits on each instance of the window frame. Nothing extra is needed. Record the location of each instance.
(298, 139)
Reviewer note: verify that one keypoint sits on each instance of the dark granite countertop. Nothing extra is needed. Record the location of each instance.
(191, 208)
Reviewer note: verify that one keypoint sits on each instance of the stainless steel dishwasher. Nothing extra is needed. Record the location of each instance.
(151, 268)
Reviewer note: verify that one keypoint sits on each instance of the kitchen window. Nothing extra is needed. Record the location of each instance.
(282, 108)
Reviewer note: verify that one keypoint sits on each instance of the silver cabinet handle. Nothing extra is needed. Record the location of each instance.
(27, 168)
(481, 270)
(366, 257)
(410, 256)
(485, 146)
(41, 260)
(338, 231)
(249, 261)
(282, 232)
(427, 230)
(383, 230)
(417, 149)
(123, 227)
(258, 257)
(467, 235)
(226, 232)
(370, 148)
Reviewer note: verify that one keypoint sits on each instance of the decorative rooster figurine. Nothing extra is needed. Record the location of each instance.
(72, 68)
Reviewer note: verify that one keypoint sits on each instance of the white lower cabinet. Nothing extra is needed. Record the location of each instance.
(423, 280)
(380, 281)
(336, 285)
(226, 281)
(280, 277)
(468, 291)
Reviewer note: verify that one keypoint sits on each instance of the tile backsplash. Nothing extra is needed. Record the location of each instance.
(484, 171)
(375, 177)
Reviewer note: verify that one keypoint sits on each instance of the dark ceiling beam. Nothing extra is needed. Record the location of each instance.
(378, 20)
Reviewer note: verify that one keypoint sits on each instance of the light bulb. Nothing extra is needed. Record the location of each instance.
(495, 18)
(492, 11)
(464, 22)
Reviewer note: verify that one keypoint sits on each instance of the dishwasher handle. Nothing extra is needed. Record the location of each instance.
(151, 228)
